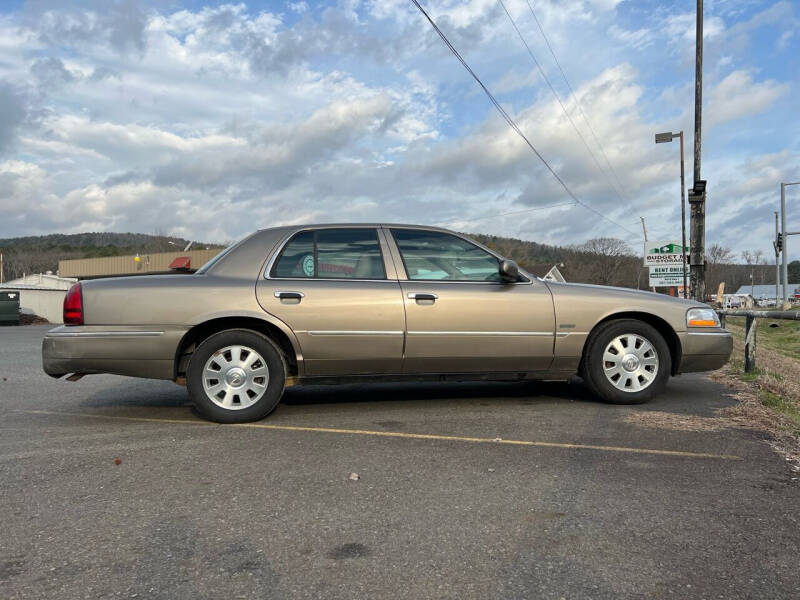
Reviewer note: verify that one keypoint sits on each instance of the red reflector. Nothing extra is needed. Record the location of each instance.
(73, 306)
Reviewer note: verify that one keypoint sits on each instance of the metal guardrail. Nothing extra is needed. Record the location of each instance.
(750, 329)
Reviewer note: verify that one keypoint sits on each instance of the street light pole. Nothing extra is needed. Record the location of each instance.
(660, 139)
(683, 222)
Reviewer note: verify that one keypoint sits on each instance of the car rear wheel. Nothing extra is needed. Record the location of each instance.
(236, 376)
(626, 362)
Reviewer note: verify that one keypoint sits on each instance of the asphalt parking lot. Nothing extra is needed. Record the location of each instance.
(466, 491)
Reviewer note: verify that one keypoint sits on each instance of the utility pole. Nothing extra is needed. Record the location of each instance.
(697, 199)
(644, 230)
(777, 262)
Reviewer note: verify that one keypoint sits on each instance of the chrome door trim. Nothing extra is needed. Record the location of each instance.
(354, 332)
(485, 333)
(105, 334)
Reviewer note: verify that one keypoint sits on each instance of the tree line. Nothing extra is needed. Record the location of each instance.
(602, 260)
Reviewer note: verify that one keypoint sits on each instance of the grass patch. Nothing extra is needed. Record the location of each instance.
(784, 339)
(776, 380)
(786, 407)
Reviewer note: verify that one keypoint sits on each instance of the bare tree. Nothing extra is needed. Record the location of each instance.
(610, 255)
(719, 255)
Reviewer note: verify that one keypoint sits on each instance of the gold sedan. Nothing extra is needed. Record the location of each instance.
(341, 303)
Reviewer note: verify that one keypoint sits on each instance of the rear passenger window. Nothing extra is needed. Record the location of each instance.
(297, 258)
(332, 254)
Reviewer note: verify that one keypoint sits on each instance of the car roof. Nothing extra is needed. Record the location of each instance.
(345, 225)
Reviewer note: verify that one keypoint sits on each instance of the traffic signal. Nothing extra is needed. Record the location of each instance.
(779, 242)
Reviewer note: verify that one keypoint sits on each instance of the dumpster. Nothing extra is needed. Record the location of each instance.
(9, 308)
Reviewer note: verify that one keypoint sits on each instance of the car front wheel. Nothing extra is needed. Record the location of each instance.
(236, 376)
(627, 362)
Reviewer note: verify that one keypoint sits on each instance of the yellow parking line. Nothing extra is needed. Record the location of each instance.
(398, 434)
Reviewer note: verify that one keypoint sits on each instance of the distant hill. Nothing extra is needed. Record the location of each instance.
(41, 253)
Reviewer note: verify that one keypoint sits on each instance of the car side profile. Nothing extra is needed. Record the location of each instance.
(368, 302)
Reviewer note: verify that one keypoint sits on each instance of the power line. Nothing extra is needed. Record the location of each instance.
(561, 104)
(513, 212)
(572, 92)
(511, 123)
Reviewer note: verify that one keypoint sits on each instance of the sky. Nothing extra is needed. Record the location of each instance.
(209, 120)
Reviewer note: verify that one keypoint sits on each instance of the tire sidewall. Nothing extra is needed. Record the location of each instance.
(231, 337)
(593, 368)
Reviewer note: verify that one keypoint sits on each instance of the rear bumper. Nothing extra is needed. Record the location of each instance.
(704, 350)
(134, 351)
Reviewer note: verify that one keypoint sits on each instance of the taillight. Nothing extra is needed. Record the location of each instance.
(73, 306)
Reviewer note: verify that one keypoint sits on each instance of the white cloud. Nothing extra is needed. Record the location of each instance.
(211, 122)
(737, 96)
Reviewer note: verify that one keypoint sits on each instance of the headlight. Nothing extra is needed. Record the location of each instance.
(702, 317)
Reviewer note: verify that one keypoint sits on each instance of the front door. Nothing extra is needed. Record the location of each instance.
(330, 286)
(461, 317)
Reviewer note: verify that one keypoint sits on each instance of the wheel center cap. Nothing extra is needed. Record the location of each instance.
(235, 377)
(630, 362)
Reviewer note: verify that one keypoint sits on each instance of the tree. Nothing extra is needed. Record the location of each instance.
(719, 255)
(794, 271)
(606, 259)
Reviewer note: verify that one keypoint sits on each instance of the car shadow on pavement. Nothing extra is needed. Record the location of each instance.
(525, 391)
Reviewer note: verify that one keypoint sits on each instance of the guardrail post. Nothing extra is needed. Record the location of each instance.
(750, 344)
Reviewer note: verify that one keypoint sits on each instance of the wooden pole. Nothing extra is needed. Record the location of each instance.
(750, 344)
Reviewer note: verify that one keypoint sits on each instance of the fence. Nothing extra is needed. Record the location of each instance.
(750, 328)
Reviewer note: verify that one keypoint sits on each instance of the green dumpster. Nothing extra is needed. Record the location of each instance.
(9, 308)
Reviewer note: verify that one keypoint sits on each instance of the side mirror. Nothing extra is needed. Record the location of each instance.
(509, 271)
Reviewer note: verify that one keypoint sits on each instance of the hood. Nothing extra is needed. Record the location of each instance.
(627, 293)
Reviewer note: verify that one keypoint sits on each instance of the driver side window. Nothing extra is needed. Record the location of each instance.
(436, 256)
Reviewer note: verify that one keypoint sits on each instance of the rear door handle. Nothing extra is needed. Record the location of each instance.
(423, 296)
(290, 295)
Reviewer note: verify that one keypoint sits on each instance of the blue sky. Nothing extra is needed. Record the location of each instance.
(207, 120)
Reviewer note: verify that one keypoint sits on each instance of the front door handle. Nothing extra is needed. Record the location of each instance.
(289, 295)
(423, 296)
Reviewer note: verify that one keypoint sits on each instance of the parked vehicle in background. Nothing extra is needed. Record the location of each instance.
(335, 303)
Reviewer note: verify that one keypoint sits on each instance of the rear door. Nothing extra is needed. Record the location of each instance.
(461, 317)
(333, 287)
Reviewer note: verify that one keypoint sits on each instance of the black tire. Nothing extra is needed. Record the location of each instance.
(275, 364)
(593, 363)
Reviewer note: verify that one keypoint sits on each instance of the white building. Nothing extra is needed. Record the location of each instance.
(41, 294)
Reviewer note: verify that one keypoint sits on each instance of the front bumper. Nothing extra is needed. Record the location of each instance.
(704, 350)
(134, 351)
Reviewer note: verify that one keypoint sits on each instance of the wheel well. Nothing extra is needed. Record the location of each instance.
(658, 323)
(200, 332)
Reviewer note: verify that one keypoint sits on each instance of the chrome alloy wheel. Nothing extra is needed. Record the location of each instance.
(235, 377)
(630, 362)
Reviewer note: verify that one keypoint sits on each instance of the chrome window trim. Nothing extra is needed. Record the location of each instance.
(291, 235)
